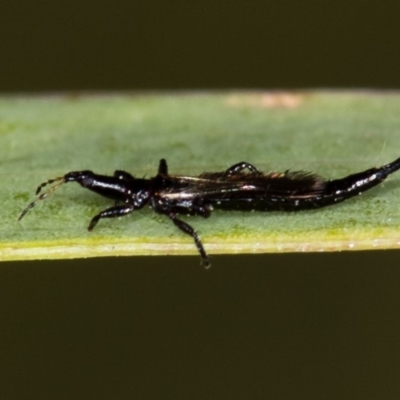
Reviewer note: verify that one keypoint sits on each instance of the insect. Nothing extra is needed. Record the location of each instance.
(240, 187)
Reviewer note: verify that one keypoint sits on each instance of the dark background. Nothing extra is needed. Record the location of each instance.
(120, 45)
(297, 326)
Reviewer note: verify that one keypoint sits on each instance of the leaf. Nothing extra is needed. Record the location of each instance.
(332, 134)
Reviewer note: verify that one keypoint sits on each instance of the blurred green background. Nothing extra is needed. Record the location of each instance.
(295, 326)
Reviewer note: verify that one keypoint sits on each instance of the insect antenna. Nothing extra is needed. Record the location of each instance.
(49, 182)
(60, 181)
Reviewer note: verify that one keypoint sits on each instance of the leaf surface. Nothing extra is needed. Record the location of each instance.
(331, 133)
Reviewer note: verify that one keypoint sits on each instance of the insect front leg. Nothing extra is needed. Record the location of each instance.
(184, 227)
(112, 212)
(239, 167)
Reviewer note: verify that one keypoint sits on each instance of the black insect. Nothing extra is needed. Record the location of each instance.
(233, 189)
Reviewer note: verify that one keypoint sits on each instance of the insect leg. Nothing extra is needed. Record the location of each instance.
(163, 167)
(239, 167)
(184, 227)
(112, 212)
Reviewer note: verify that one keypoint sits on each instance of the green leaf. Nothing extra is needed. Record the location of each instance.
(332, 134)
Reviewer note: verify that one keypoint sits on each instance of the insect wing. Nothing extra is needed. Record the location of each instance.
(215, 186)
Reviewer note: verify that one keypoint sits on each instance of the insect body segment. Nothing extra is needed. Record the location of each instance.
(240, 187)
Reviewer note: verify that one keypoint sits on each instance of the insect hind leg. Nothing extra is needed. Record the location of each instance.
(239, 167)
